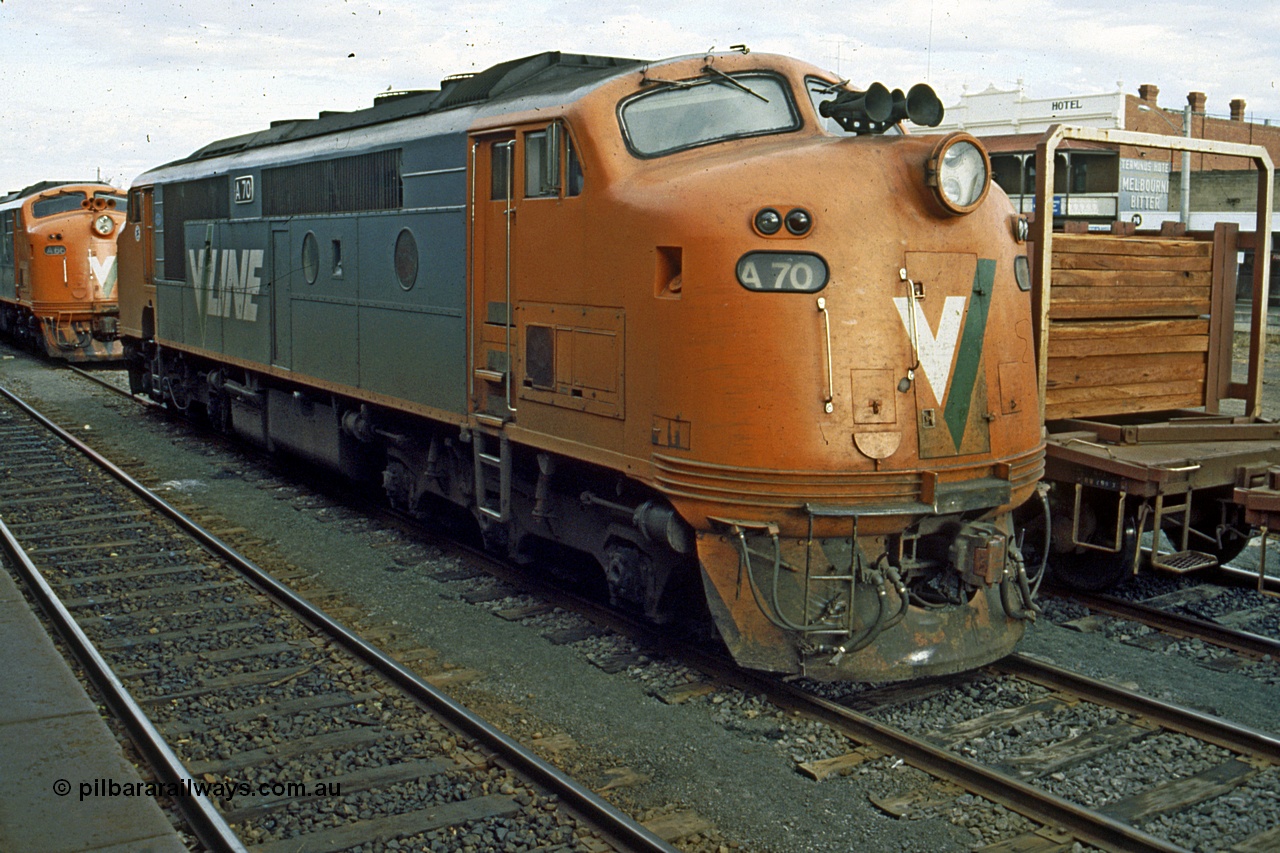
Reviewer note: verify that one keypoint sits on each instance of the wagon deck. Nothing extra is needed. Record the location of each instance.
(1135, 338)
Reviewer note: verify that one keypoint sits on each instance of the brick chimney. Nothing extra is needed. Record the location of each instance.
(1197, 101)
(1149, 92)
(1237, 109)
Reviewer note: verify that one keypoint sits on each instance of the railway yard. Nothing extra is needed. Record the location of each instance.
(700, 755)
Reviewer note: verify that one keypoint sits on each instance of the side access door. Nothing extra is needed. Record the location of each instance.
(544, 334)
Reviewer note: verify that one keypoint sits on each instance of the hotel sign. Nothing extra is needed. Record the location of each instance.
(1144, 185)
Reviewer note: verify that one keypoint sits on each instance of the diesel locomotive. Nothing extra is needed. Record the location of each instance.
(719, 322)
(58, 269)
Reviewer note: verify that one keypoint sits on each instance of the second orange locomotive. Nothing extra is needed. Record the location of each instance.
(57, 269)
(716, 321)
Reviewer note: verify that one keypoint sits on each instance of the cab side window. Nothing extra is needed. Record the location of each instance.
(575, 179)
(551, 164)
(135, 206)
(500, 170)
(539, 166)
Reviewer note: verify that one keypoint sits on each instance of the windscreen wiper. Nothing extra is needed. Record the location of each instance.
(743, 86)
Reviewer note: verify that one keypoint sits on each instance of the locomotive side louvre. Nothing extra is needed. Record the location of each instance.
(554, 294)
(58, 274)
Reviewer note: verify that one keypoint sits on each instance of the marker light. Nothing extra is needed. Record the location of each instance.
(768, 221)
(799, 221)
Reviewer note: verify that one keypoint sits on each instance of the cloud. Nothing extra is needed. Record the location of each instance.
(130, 85)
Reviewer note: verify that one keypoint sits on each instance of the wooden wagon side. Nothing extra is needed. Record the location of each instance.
(1134, 344)
(1139, 324)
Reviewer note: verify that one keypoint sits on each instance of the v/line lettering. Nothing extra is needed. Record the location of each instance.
(226, 280)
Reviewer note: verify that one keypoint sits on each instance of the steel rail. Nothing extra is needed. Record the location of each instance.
(1243, 642)
(207, 824)
(1232, 736)
(1042, 806)
(1031, 802)
(142, 401)
(618, 827)
(1248, 579)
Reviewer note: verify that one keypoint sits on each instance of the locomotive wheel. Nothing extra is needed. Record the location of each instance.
(625, 570)
(1094, 571)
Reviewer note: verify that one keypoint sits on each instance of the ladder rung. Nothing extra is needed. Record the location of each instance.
(492, 513)
(490, 459)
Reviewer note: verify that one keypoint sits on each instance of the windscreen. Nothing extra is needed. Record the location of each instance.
(62, 203)
(686, 115)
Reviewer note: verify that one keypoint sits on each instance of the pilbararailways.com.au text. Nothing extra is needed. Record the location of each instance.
(226, 790)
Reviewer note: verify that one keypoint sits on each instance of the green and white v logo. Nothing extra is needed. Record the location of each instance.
(938, 349)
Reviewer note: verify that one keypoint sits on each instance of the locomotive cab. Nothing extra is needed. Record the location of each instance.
(813, 328)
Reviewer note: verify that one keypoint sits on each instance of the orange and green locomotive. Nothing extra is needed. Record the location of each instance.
(719, 322)
(57, 269)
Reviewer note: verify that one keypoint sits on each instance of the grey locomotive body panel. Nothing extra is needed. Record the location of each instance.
(319, 294)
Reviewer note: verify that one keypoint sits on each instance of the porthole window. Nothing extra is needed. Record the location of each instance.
(406, 259)
(310, 258)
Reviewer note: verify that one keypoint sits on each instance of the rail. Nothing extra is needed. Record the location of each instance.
(1181, 625)
(616, 826)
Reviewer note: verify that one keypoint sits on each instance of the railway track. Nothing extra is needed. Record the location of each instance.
(1037, 749)
(1166, 616)
(1027, 755)
(1036, 745)
(275, 725)
(1231, 764)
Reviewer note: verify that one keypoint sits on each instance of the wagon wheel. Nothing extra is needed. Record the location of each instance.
(1089, 570)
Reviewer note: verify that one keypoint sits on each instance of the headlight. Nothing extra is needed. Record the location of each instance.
(959, 172)
(103, 225)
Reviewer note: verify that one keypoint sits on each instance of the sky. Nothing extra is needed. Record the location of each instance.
(108, 90)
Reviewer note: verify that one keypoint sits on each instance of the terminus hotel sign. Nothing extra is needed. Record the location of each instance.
(1144, 185)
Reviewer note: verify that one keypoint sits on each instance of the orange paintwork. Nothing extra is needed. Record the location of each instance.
(65, 273)
(897, 403)
(747, 371)
(743, 376)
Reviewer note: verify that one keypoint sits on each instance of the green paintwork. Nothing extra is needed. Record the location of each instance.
(969, 360)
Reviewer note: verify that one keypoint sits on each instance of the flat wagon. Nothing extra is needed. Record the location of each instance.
(1135, 335)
